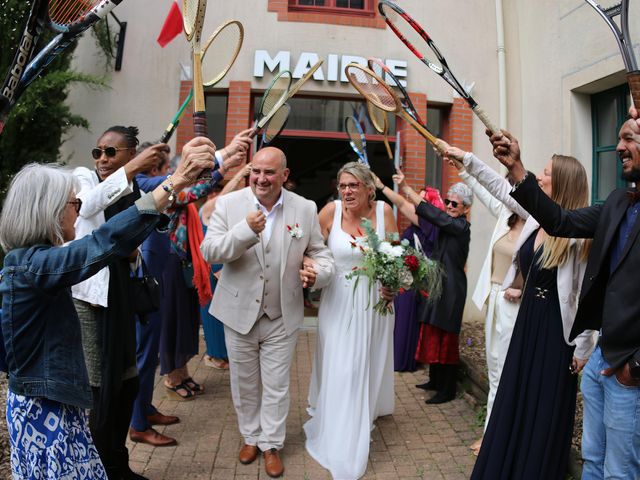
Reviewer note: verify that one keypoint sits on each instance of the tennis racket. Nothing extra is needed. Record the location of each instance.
(275, 125)
(356, 139)
(375, 90)
(380, 122)
(193, 13)
(386, 74)
(415, 38)
(278, 97)
(171, 128)
(69, 18)
(272, 99)
(218, 56)
(609, 13)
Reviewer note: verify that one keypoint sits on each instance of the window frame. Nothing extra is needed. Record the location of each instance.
(331, 8)
(620, 96)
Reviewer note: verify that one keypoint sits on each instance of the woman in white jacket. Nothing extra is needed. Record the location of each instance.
(529, 431)
(502, 302)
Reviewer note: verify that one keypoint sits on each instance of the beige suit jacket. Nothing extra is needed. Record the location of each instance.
(230, 241)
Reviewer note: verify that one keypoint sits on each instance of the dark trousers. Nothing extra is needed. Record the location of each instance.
(148, 344)
(110, 438)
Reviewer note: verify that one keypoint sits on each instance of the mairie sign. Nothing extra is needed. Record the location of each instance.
(332, 69)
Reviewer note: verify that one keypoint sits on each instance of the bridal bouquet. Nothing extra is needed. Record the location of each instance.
(396, 265)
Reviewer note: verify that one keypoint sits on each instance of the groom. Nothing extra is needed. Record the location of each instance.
(261, 234)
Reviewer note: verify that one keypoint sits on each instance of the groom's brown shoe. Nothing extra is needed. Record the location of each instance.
(272, 463)
(248, 453)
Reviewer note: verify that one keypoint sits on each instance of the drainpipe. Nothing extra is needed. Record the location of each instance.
(502, 67)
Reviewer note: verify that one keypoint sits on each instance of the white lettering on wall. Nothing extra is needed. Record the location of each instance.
(281, 61)
(332, 70)
(305, 62)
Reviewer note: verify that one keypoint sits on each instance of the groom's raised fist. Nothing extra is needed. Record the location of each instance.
(256, 221)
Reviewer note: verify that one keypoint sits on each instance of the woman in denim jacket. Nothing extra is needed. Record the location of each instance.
(48, 384)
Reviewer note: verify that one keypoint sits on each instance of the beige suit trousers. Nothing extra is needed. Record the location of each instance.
(259, 365)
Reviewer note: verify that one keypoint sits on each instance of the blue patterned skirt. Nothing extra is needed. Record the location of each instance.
(50, 440)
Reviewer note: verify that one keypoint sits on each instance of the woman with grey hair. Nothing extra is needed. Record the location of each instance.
(48, 382)
(444, 317)
(352, 379)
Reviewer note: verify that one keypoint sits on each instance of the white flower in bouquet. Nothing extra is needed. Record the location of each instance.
(391, 250)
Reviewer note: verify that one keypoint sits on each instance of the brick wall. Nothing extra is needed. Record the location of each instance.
(458, 132)
(414, 151)
(355, 20)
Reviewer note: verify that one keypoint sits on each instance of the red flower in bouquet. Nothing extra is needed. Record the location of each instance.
(412, 262)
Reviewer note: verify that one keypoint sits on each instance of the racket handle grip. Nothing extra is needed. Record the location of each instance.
(484, 118)
(168, 133)
(633, 79)
(200, 130)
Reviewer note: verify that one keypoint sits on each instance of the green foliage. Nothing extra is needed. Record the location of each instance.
(37, 124)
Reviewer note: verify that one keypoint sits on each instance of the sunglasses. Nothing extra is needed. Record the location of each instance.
(453, 203)
(96, 153)
(77, 203)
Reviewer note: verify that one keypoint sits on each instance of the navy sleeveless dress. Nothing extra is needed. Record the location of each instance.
(531, 425)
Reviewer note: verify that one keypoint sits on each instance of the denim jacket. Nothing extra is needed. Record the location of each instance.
(39, 322)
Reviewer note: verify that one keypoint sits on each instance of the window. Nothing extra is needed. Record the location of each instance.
(608, 113)
(216, 108)
(347, 7)
(433, 165)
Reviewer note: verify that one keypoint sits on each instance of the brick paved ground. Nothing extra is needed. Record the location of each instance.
(418, 441)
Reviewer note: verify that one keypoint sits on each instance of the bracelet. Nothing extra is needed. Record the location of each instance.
(169, 189)
(381, 188)
(520, 182)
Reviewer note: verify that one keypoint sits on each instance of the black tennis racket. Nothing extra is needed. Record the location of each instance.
(416, 38)
(609, 11)
(69, 18)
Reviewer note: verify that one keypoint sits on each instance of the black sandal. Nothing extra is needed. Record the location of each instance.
(175, 392)
(196, 388)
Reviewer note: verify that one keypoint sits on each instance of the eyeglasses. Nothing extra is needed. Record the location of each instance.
(453, 203)
(77, 203)
(96, 153)
(351, 186)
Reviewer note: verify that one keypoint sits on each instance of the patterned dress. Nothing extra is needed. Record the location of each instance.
(50, 440)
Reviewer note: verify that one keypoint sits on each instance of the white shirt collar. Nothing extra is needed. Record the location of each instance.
(263, 208)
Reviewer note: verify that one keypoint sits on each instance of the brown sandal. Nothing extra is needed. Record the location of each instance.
(175, 392)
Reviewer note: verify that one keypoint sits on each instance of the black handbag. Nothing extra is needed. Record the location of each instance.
(145, 292)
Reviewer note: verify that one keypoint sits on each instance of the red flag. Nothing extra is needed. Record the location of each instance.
(172, 26)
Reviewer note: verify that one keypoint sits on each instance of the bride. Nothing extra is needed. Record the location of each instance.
(352, 379)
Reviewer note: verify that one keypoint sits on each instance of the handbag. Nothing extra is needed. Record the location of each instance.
(145, 290)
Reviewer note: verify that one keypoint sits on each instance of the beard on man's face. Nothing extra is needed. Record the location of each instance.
(632, 175)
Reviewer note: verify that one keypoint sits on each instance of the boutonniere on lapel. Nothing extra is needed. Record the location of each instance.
(295, 231)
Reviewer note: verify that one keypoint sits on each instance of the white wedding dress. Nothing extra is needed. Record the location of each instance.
(352, 379)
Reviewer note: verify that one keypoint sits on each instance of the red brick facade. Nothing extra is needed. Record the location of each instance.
(317, 16)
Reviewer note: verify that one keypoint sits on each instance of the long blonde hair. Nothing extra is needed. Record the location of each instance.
(570, 190)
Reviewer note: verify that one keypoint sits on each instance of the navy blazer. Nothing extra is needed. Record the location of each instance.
(609, 300)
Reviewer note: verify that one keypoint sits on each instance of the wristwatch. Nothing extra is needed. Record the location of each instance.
(634, 366)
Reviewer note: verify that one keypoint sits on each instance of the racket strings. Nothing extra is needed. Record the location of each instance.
(220, 53)
(378, 117)
(276, 123)
(354, 134)
(66, 12)
(190, 12)
(277, 90)
(371, 88)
